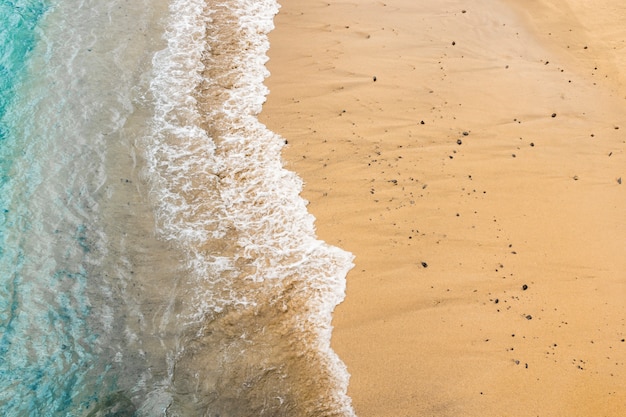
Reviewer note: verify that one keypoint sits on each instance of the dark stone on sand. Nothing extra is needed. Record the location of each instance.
(453, 43)
(466, 133)
(524, 287)
(529, 317)
(553, 114)
(424, 264)
(374, 78)
(619, 180)
(286, 142)
(459, 142)
(422, 122)
(532, 143)
(496, 301)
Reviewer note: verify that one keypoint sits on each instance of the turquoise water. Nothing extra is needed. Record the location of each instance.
(155, 257)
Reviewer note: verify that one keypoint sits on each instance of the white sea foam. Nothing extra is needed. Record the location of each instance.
(218, 184)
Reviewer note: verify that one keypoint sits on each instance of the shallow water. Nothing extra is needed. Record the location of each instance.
(155, 257)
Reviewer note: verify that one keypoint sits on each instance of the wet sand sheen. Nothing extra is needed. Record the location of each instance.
(471, 157)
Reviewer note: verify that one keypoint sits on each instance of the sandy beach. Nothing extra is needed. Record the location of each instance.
(472, 156)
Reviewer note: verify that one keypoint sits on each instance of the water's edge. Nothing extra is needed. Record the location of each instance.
(157, 259)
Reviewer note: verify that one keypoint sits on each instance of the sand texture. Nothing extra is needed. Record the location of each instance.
(472, 156)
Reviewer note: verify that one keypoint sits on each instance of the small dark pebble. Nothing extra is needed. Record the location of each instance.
(524, 287)
(496, 301)
(619, 180)
(453, 43)
(553, 114)
(532, 143)
(424, 264)
(422, 122)
(286, 142)
(465, 133)
(459, 142)
(374, 78)
(529, 317)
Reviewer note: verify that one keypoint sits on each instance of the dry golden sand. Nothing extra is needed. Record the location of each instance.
(455, 187)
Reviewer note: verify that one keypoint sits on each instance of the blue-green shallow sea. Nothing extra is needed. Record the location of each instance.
(155, 257)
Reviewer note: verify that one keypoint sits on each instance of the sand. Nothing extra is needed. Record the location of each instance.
(471, 155)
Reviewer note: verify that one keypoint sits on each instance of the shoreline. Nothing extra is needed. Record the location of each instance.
(472, 164)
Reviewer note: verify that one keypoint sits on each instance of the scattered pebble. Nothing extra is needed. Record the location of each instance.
(424, 264)
(524, 287)
(553, 114)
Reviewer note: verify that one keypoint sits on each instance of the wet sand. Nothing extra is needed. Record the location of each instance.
(473, 158)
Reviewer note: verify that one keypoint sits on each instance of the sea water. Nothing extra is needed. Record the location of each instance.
(155, 257)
